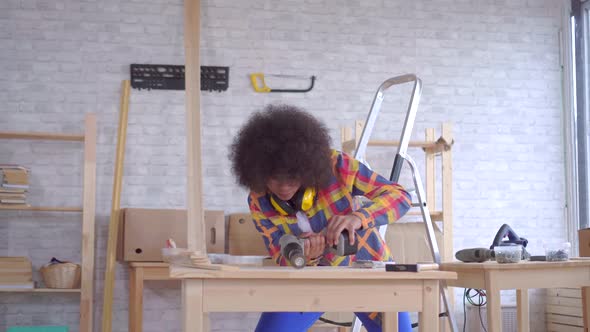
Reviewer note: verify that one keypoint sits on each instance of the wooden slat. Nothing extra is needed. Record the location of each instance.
(564, 319)
(562, 310)
(41, 208)
(88, 215)
(565, 301)
(109, 274)
(565, 292)
(552, 327)
(192, 37)
(41, 136)
(39, 290)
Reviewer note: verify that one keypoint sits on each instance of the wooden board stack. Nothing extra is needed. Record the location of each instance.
(197, 260)
(16, 273)
(14, 182)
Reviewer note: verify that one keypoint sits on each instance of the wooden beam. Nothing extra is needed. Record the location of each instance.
(88, 217)
(41, 136)
(447, 210)
(24, 207)
(195, 222)
(447, 196)
(109, 275)
(430, 173)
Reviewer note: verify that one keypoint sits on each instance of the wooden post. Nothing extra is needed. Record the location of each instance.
(88, 215)
(447, 210)
(522, 304)
(195, 223)
(109, 275)
(430, 172)
(447, 199)
(136, 277)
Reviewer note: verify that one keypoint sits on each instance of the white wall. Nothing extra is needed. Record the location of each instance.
(490, 67)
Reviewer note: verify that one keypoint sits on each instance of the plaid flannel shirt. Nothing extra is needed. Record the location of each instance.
(351, 178)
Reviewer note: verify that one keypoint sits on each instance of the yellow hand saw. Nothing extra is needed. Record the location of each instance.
(259, 78)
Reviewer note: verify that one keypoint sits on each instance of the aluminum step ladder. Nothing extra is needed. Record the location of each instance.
(398, 162)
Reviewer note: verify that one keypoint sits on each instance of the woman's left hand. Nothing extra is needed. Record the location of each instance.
(339, 223)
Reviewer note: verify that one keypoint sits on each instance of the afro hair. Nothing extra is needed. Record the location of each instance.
(282, 142)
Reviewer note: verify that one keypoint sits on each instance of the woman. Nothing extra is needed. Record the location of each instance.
(299, 185)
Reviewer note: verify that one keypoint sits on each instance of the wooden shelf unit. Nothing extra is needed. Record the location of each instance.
(432, 148)
(88, 209)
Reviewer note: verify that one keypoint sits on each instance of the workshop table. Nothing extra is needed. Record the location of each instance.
(321, 289)
(521, 276)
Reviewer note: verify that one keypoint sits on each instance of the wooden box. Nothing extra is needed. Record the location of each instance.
(243, 237)
(143, 232)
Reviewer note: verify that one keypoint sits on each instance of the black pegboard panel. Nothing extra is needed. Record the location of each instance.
(171, 77)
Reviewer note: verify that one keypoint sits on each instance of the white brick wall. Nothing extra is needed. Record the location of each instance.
(490, 67)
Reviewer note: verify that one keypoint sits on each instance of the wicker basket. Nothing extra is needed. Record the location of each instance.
(62, 275)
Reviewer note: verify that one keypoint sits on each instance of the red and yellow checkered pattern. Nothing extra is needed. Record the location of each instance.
(351, 178)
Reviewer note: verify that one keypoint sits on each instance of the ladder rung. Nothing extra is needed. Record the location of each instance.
(412, 144)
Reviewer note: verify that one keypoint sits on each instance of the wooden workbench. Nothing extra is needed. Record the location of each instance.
(258, 289)
(522, 276)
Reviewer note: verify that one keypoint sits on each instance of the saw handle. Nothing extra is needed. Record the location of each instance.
(254, 79)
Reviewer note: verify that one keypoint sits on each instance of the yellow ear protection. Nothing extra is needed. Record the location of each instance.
(302, 201)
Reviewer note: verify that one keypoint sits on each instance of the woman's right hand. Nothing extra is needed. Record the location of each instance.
(315, 244)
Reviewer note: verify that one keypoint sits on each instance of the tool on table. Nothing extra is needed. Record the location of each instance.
(254, 78)
(479, 255)
(368, 264)
(292, 248)
(411, 267)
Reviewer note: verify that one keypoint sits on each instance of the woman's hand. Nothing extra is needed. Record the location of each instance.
(315, 244)
(339, 223)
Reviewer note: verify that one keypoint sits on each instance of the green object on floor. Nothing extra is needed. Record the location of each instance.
(38, 329)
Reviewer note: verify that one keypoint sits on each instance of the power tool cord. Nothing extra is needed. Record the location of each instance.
(481, 300)
(349, 324)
